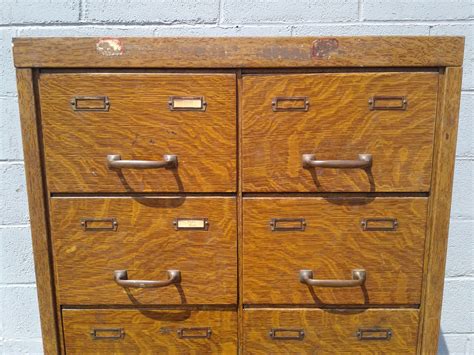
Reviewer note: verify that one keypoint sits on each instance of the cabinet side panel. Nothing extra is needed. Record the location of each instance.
(37, 209)
(439, 207)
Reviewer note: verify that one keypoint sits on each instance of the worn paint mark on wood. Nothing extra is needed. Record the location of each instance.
(284, 52)
(109, 47)
(324, 48)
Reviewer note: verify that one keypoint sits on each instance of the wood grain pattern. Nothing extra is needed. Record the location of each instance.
(339, 125)
(332, 245)
(244, 52)
(139, 125)
(330, 331)
(37, 210)
(239, 261)
(439, 208)
(150, 331)
(146, 244)
(240, 234)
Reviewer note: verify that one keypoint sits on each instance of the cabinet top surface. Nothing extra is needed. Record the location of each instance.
(238, 52)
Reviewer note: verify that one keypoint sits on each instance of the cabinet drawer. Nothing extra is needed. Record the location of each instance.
(338, 117)
(102, 244)
(293, 246)
(316, 331)
(87, 118)
(149, 331)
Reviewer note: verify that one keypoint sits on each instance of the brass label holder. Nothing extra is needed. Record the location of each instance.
(399, 103)
(294, 103)
(191, 224)
(379, 224)
(194, 333)
(287, 224)
(107, 333)
(90, 103)
(374, 333)
(183, 103)
(286, 334)
(99, 224)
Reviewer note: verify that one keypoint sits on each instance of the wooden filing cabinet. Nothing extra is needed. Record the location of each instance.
(239, 195)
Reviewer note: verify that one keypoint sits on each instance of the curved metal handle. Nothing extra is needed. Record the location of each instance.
(115, 161)
(364, 161)
(121, 278)
(358, 279)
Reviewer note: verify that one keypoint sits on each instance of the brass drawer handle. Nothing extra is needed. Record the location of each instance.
(358, 279)
(287, 224)
(379, 224)
(107, 333)
(286, 334)
(194, 333)
(114, 161)
(388, 103)
(293, 101)
(90, 103)
(121, 278)
(374, 334)
(364, 161)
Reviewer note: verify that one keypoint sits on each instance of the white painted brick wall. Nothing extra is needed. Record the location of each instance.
(19, 322)
(166, 12)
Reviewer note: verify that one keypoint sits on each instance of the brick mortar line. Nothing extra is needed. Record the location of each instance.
(466, 157)
(233, 24)
(460, 278)
(220, 12)
(3, 340)
(80, 6)
(14, 226)
(19, 285)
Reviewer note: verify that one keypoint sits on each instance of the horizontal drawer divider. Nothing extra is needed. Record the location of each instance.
(237, 70)
(335, 307)
(142, 194)
(214, 307)
(335, 194)
(152, 71)
(265, 71)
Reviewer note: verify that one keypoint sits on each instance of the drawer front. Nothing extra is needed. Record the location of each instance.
(149, 331)
(333, 239)
(329, 116)
(95, 240)
(131, 116)
(316, 331)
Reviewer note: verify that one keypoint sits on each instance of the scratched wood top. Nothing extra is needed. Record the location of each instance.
(243, 52)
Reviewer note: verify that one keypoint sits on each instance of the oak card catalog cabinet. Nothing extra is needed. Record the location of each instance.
(239, 195)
